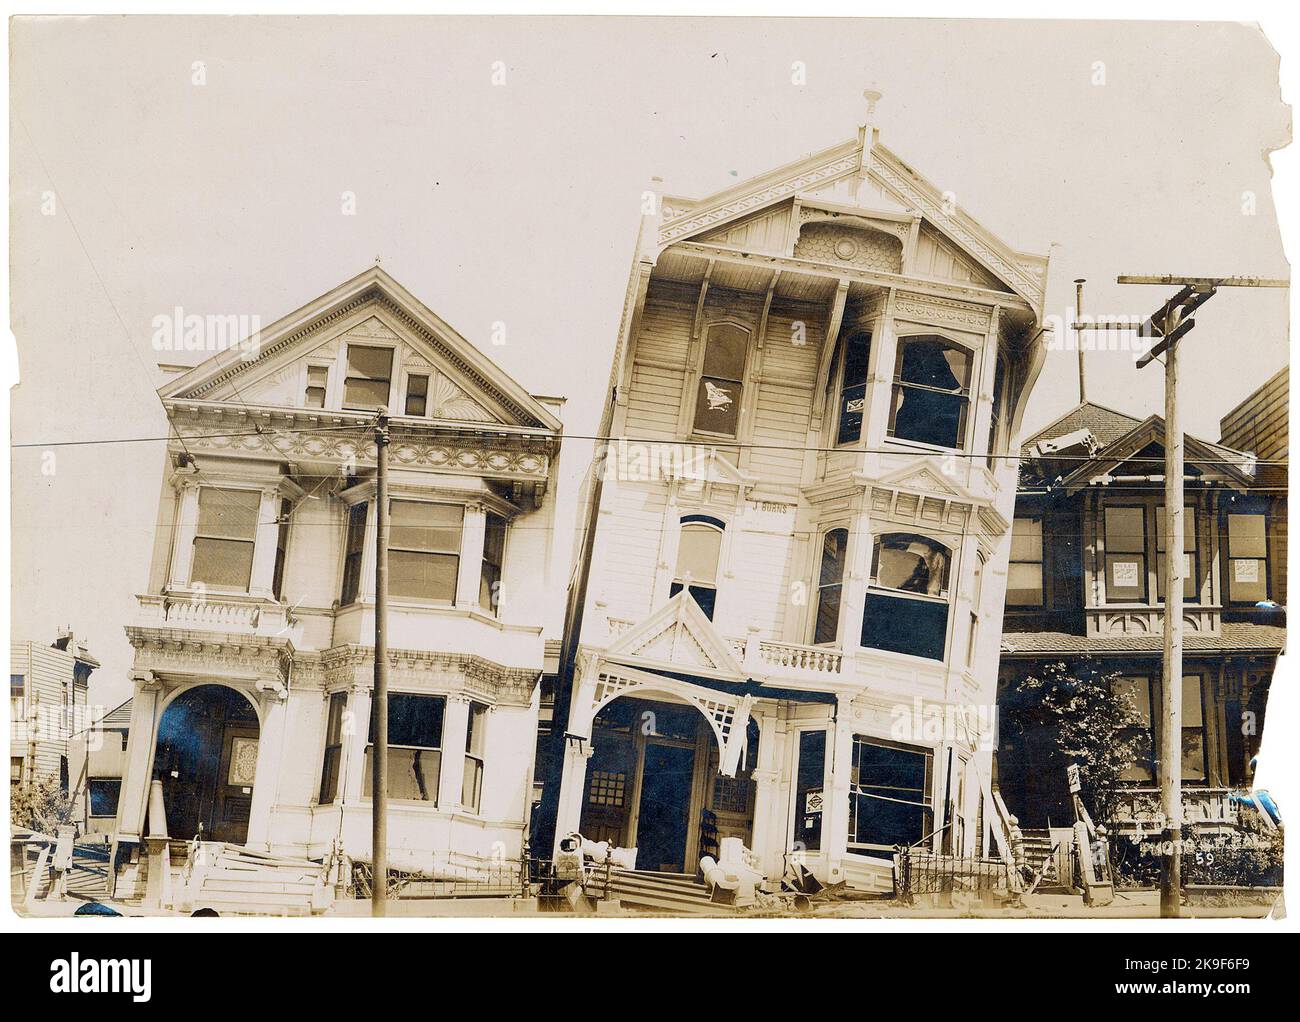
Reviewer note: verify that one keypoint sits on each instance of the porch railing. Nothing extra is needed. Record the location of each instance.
(922, 873)
(214, 613)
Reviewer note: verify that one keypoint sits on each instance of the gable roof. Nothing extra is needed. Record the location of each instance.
(896, 186)
(375, 289)
(677, 637)
(1105, 424)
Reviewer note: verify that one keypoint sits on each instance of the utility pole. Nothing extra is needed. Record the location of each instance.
(379, 703)
(1168, 324)
(1078, 335)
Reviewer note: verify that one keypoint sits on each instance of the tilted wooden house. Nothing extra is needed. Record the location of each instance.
(784, 622)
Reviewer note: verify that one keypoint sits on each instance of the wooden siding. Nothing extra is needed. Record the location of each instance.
(1260, 423)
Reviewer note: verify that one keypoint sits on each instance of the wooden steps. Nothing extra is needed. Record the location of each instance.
(869, 875)
(665, 893)
(229, 879)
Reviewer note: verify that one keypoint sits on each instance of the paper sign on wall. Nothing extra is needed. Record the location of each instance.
(1245, 571)
(1124, 573)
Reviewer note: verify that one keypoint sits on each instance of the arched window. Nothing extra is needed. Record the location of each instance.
(853, 387)
(931, 396)
(998, 414)
(907, 602)
(698, 551)
(721, 387)
(830, 585)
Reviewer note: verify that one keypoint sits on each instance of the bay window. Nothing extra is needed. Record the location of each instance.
(830, 585)
(931, 394)
(369, 377)
(721, 386)
(1247, 558)
(906, 607)
(1025, 570)
(699, 548)
(224, 538)
(424, 550)
(889, 795)
(414, 747)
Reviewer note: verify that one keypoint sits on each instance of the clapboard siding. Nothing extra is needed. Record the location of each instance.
(627, 549)
(756, 589)
(45, 671)
(665, 333)
(780, 431)
(654, 402)
(1260, 422)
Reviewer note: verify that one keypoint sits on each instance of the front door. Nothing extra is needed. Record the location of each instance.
(234, 794)
(663, 819)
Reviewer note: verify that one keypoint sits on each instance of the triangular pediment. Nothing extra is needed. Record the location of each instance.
(302, 362)
(678, 637)
(1141, 451)
(926, 480)
(953, 244)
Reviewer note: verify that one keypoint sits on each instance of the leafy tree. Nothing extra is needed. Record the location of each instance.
(41, 805)
(1089, 721)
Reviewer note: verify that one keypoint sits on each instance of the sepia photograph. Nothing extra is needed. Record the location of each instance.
(626, 472)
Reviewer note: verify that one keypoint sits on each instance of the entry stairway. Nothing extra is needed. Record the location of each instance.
(666, 893)
(1043, 855)
(226, 878)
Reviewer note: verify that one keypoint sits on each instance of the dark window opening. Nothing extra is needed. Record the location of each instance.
(907, 602)
(494, 548)
(103, 793)
(354, 545)
(830, 585)
(889, 795)
(329, 774)
(853, 388)
(931, 394)
(810, 792)
(417, 395)
(414, 747)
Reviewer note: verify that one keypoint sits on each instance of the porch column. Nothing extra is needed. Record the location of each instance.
(835, 821)
(766, 797)
(270, 754)
(573, 781)
(471, 565)
(187, 526)
(455, 731)
(268, 534)
(136, 771)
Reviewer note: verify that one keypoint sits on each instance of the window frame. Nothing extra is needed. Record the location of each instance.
(1041, 562)
(1144, 574)
(326, 396)
(875, 589)
(928, 809)
(837, 389)
(251, 542)
(493, 606)
(361, 525)
(475, 756)
(1194, 554)
(677, 583)
(332, 753)
(407, 376)
(394, 368)
(698, 376)
(819, 585)
(1229, 559)
(895, 382)
(458, 553)
(367, 755)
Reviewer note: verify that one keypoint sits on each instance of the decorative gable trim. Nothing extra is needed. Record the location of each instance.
(1212, 461)
(677, 637)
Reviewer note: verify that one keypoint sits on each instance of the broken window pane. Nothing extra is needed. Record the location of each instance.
(889, 795)
(931, 392)
(718, 399)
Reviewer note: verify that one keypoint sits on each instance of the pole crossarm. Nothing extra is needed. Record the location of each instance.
(1133, 278)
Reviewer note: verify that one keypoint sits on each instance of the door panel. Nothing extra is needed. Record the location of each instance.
(664, 811)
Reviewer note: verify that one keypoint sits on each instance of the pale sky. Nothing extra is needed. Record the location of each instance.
(519, 203)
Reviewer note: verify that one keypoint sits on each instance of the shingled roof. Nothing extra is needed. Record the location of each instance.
(1106, 424)
(1236, 636)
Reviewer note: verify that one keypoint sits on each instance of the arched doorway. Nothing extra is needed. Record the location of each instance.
(206, 758)
(653, 783)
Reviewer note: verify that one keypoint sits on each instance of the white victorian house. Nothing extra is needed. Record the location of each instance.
(254, 642)
(785, 626)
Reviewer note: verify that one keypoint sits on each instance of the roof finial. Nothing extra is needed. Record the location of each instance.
(872, 96)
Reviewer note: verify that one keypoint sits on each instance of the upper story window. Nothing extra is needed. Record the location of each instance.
(424, 550)
(997, 413)
(224, 539)
(417, 394)
(1247, 558)
(1126, 554)
(281, 549)
(721, 387)
(830, 585)
(354, 544)
(369, 376)
(16, 684)
(907, 602)
(471, 793)
(494, 549)
(1025, 571)
(318, 380)
(1191, 575)
(333, 758)
(931, 396)
(699, 549)
(853, 387)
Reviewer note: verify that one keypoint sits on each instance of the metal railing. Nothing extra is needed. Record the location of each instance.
(921, 873)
